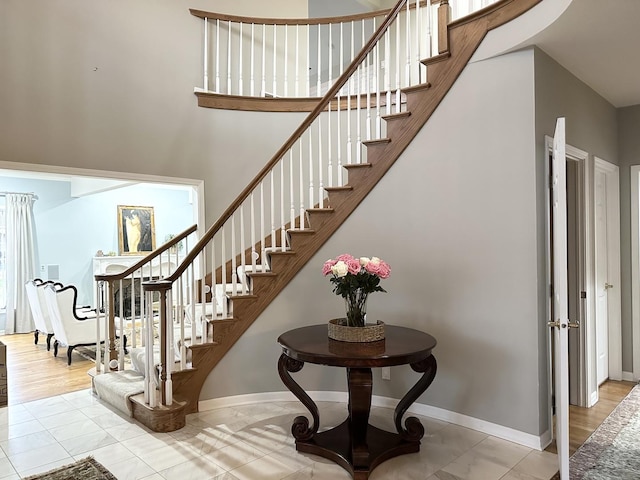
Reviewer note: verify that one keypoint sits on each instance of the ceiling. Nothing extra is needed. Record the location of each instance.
(598, 42)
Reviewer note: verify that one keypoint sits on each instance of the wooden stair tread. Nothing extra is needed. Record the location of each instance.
(397, 115)
(436, 58)
(379, 141)
(339, 189)
(416, 88)
(357, 165)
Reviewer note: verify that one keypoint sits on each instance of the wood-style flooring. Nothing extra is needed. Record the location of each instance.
(33, 373)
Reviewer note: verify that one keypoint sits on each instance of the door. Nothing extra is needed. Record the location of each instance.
(560, 311)
(602, 278)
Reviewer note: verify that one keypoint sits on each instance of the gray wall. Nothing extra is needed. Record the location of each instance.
(628, 155)
(463, 247)
(109, 86)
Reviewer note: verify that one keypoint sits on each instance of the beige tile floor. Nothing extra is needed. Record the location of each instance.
(248, 442)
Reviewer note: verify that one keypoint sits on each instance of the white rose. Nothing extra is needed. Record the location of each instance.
(340, 269)
(375, 260)
(364, 261)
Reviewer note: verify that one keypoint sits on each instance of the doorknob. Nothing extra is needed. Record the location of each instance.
(607, 286)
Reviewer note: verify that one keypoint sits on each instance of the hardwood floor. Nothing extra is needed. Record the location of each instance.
(33, 373)
(584, 421)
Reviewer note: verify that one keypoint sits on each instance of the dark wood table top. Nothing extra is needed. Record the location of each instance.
(401, 346)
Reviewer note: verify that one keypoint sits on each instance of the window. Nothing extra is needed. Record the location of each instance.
(3, 257)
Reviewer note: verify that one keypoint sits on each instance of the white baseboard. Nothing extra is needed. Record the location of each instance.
(526, 439)
(628, 376)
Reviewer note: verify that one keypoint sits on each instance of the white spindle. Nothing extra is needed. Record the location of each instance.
(263, 85)
(397, 86)
(297, 87)
(376, 63)
(263, 252)
(234, 263)
(330, 48)
(217, 87)
(205, 62)
(358, 94)
(229, 59)
(171, 352)
(311, 193)
(329, 147)
(319, 67)
(253, 55)
(240, 63)
(320, 164)
(292, 219)
(419, 41)
(308, 61)
(339, 109)
(274, 84)
(349, 95)
(243, 260)
(408, 46)
(253, 234)
(301, 186)
(283, 229)
(286, 62)
(272, 210)
(223, 270)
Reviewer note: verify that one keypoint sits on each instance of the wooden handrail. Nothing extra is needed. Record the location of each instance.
(328, 97)
(298, 21)
(154, 254)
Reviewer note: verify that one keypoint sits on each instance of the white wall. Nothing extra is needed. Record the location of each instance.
(457, 222)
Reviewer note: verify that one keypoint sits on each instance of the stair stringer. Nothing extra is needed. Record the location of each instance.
(464, 38)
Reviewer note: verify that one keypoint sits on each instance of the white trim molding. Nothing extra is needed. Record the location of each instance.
(537, 442)
(635, 268)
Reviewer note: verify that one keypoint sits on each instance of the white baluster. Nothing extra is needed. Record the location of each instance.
(217, 56)
(301, 187)
(292, 220)
(240, 63)
(419, 41)
(253, 235)
(408, 46)
(272, 209)
(168, 346)
(387, 70)
(253, 45)
(234, 263)
(263, 85)
(243, 260)
(229, 60)
(213, 291)
(223, 270)
(358, 94)
(286, 62)
(297, 87)
(397, 25)
(275, 63)
(205, 82)
(330, 48)
(339, 117)
(283, 228)
(320, 164)
(311, 192)
(349, 95)
(308, 61)
(376, 62)
(319, 77)
(263, 253)
(329, 148)
(367, 69)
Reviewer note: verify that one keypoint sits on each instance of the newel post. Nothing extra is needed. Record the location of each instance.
(161, 289)
(444, 17)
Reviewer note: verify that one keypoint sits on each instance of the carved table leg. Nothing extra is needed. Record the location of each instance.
(414, 430)
(360, 384)
(300, 428)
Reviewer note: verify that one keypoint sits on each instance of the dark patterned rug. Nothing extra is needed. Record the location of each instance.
(85, 469)
(613, 450)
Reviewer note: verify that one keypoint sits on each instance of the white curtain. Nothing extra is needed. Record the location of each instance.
(22, 261)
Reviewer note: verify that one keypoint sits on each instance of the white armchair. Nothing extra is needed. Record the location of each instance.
(71, 328)
(39, 311)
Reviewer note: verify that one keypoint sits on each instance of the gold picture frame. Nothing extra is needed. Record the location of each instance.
(136, 230)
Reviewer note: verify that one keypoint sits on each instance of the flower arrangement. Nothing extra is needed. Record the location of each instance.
(354, 279)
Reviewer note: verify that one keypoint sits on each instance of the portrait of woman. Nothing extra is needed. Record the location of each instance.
(136, 230)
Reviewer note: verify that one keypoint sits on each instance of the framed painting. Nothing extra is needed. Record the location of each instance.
(136, 230)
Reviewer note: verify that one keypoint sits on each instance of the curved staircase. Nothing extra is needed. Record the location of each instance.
(285, 250)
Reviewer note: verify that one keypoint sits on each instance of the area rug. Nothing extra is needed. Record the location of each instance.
(613, 450)
(85, 469)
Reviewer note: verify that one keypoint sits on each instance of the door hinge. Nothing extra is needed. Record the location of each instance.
(583, 294)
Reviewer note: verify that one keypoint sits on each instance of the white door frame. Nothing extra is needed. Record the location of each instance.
(635, 268)
(614, 299)
(587, 382)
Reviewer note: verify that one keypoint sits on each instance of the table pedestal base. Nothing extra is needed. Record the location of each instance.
(335, 444)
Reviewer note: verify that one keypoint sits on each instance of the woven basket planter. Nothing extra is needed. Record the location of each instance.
(339, 330)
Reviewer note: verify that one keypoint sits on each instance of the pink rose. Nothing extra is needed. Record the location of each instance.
(326, 268)
(344, 257)
(354, 265)
(384, 270)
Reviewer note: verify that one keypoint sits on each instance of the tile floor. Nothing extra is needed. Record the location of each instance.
(248, 442)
